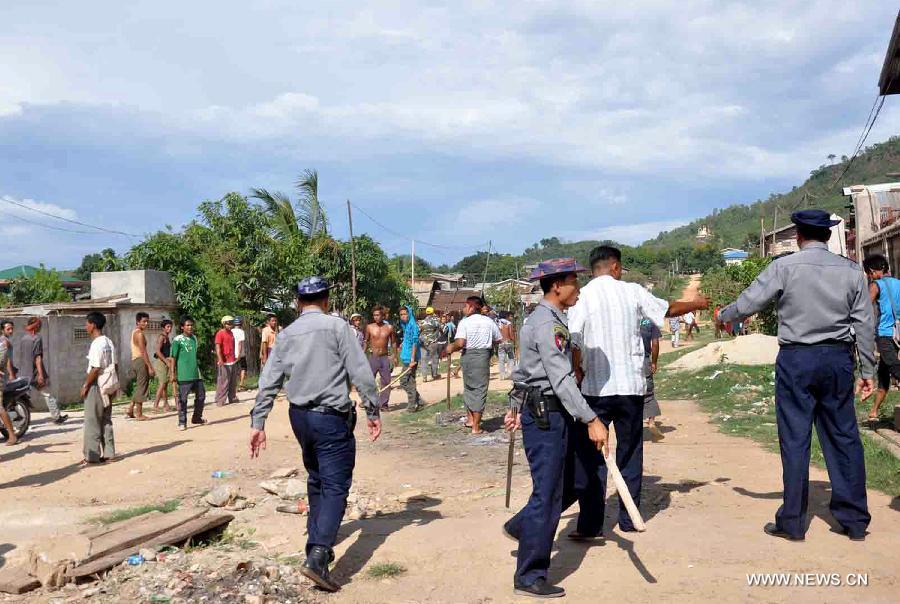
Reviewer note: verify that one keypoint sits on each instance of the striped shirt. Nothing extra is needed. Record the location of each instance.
(478, 331)
(606, 327)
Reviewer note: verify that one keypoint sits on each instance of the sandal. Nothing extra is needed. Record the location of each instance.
(85, 463)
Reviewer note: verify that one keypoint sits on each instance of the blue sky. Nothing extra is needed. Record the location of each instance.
(455, 122)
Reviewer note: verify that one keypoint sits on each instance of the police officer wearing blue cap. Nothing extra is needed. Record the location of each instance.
(550, 402)
(822, 301)
(319, 356)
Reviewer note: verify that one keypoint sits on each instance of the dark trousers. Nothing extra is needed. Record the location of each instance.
(535, 525)
(184, 389)
(815, 384)
(586, 470)
(329, 455)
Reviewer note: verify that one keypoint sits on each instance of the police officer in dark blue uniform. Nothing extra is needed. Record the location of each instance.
(550, 402)
(319, 356)
(822, 301)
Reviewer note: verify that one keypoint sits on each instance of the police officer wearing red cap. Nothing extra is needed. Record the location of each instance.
(550, 403)
(822, 300)
(319, 356)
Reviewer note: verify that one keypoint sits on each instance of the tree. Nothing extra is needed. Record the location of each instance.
(45, 286)
(831, 157)
(506, 297)
(722, 286)
(287, 220)
(312, 216)
(106, 260)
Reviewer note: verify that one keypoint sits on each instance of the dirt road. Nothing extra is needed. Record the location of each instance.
(706, 496)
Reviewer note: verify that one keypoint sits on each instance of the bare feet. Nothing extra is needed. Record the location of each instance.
(11, 440)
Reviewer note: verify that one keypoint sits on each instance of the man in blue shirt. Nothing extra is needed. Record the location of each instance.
(409, 356)
(884, 291)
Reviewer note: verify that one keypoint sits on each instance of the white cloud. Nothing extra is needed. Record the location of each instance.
(631, 234)
(481, 217)
(644, 87)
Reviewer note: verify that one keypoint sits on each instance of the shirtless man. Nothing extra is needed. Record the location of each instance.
(380, 339)
(141, 367)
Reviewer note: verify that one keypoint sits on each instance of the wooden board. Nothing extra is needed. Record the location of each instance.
(16, 580)
(139, 530)
(175, 536)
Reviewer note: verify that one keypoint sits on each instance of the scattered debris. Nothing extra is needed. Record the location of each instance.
(222, 495)
(290, 489)
(284, 473)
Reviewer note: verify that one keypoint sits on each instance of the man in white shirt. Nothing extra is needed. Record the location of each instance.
(240, 349)
(690, 323)
(609, 362)
(99, 444)
(475, 336)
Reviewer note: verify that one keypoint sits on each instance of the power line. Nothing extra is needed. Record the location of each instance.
(47, 226)
(867, 128)
(51, 215)
(427, 243)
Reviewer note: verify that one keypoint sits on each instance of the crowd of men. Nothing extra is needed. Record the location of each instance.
(586, 358)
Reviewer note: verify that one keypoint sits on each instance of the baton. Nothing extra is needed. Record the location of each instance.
(395, 380)
(624, 493)
(509, 460)
(449, 363)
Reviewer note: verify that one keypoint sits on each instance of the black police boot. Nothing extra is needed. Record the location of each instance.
(316, 567)
(772, 530)
(540, 589)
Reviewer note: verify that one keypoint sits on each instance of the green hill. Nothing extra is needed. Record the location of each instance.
(738, 225)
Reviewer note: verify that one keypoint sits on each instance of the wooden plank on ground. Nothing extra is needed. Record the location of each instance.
(16, 580)
(174, 536)
(140, 530)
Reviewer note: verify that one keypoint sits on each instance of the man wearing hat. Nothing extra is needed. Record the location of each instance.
(322, 354)
(358, 331)
(226, 363)
(430, 333)
(822, 300)
(550, 405)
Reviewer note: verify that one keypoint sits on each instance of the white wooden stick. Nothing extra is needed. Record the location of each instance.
(624, 493)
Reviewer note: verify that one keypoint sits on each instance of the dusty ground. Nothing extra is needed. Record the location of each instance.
(706, 497)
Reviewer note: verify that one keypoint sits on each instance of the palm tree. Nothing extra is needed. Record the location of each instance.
(312, 217)
(289, 220)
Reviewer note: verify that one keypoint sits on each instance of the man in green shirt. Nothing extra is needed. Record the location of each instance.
(184, 357)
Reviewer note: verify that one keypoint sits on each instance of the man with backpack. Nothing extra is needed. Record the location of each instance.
(884, 291)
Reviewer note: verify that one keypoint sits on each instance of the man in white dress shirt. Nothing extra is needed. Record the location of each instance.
(609, 362)
(475, 336)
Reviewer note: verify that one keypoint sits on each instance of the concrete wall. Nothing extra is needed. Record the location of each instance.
(142, 287)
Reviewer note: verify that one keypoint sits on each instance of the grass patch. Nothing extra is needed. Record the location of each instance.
(425, 419)
(237, 538)
(741, 401)
(386, 570)
(124, 514)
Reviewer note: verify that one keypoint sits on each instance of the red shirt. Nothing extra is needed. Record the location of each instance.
(225, 339)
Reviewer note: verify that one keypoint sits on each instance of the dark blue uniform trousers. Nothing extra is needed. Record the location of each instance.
(586, 470)
(815, 384)
(535, 525)
(329, 456)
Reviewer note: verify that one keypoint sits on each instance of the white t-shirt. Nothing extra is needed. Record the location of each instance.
(688, 318)
(240, 339)
(478, 331)
(102, 353)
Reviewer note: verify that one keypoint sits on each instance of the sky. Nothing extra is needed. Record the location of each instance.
(454, 123)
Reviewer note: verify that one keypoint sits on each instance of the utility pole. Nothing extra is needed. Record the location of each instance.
(352, 255)
(774, 227)
(762, 237)
(486, 262)
(412, 267)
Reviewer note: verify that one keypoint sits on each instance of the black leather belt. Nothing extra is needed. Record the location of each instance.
(327, 411)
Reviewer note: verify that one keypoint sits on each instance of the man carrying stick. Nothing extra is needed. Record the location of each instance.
(551, 404)
(609, 363)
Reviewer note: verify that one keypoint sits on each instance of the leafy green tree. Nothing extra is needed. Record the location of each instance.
(505, 297)
(45, 286)
(722, 286)
(106, 260)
